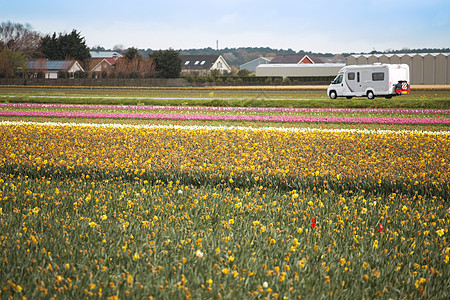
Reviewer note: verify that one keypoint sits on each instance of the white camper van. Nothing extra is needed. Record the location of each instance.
(370, 81)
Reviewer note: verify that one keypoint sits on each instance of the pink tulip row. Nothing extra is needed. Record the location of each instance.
(260, 109)
(330, 119)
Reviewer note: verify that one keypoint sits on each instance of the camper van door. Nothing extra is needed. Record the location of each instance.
(353, 79)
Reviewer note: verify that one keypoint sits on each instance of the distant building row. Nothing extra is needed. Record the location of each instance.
(424, 68)
(105, 61)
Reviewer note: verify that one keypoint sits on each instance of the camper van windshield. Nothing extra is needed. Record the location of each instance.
(338, 79)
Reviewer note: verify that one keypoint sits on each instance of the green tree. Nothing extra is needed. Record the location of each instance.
(11, 63)
(65, 46)
(168, 63)
(244, 73)
(132, 53)
(49, 47)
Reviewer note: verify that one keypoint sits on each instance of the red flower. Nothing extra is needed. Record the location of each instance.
(380, 227)
(313, 223)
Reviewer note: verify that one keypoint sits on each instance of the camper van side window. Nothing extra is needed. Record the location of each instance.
(351, 76)
(378, 76)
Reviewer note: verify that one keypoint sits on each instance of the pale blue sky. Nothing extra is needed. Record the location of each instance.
(318, 25)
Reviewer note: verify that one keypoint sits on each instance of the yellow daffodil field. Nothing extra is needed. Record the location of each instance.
(119, 211)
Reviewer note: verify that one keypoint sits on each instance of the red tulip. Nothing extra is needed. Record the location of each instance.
(313, 223)
(380, 227)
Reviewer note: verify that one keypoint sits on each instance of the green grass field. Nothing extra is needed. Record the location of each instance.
(252, 97)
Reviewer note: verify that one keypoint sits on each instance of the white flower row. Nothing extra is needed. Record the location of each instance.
(230, 128)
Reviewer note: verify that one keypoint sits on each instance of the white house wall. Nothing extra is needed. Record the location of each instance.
(51, 74)
(75, 67)
(221, 65)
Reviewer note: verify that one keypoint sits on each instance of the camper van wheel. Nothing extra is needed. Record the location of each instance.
(370, 95)
(333, 95)
(349, 97)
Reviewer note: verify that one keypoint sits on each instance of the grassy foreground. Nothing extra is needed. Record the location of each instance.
(164, 213)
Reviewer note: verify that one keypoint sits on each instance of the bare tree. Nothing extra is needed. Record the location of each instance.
(136, 67)
(19, 37)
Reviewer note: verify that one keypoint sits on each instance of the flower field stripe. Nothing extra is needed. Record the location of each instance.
(329, 119)
(229, 128)
(253, 109)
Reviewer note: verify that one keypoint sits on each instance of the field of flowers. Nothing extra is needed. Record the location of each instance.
(171, 212)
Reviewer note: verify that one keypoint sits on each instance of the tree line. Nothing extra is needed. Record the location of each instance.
(19, 43)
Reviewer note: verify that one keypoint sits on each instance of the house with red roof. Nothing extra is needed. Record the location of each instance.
(102, 65)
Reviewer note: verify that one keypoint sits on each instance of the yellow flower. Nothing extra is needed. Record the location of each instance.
(136, 256)
(130, 280)
(231, 258)
(375, 244)
(440, 232)
(302, 263)
(93, 224)
(231, 221)
(365, 265)
(199, 254)
(404, 208)
(210, 282)
(104, 217)
(225, 271)
(18, 288)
